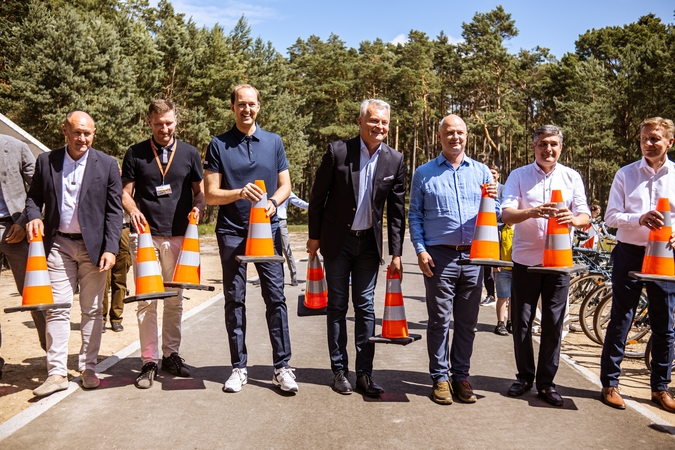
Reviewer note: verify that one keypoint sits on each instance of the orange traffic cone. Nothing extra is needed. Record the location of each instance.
(37, 287)
(658, 254)
(187, 272)
(558, 247)
(149, 284)
(259, 243)
(316, 295)
(394, 324)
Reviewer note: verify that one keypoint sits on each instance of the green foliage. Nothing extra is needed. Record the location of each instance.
(112, 57)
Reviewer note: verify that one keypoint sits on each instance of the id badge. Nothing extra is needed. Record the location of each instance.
(164, 189)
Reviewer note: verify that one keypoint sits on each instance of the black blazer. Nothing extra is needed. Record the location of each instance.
(332, 202)
(100, 204)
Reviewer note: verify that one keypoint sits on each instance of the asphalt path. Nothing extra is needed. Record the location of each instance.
(182, 413)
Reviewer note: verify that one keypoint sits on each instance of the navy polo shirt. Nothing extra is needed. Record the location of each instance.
(242, 159)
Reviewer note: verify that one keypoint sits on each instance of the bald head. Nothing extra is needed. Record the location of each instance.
(78, 130)
(452, 136)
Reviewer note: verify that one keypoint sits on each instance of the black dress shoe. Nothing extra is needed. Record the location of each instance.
(519, 388)
(551, 396)
(341, 384)
(365, 384)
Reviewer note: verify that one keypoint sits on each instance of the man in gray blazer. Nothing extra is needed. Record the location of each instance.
(81, 191)
(18, 164)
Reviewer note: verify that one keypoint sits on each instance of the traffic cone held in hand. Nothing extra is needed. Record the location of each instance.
(149, 284)
(316, 295)
(259, 243)
(394, 324)
(37, 287)
(187, 273)
(658, 258)
(558, 247)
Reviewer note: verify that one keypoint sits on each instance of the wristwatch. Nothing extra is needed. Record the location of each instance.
(274, 202)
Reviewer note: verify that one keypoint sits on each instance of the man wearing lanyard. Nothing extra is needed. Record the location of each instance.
(444, 201)
(527, 204)
(632, 210)
(162, 184)
(354, 180)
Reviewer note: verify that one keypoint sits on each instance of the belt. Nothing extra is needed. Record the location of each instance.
(459, 248)
(359, 232)
(72, 236)
(126, 225)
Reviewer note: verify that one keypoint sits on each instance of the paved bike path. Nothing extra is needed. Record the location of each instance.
(180, 413)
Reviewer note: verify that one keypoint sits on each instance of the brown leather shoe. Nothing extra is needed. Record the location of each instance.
(664, 399)
(464, 391)
(610, 396)
(441, 393)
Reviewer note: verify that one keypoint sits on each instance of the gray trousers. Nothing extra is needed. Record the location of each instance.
(286, 248)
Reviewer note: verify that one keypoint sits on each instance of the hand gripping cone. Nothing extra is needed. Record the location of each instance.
(394, 323)
(558, 246)
(485, 243)
(658, 263)
(314, 302)
(37, 287)
(187, 272)
(259, 243)
(149, 284)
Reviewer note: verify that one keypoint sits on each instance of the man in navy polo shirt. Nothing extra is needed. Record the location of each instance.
(162, 184)
(234, 160)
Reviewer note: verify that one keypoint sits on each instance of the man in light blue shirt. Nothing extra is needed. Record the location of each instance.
(282, 213)
(444, 202)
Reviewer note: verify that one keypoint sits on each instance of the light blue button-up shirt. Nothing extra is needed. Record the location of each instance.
(444, 202)
(364, 206)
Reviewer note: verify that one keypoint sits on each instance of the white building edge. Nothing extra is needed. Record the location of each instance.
(11, 129)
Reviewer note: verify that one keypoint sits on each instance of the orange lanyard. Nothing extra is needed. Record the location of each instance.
(159, 163)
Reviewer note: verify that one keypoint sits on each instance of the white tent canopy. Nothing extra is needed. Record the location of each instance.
(11, 129)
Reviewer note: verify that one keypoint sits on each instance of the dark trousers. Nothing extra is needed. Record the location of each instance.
(526, 289)
(234, 288)
(489, 281)
(117, 281)
(359, 259)
(625, 296)
(452, 292)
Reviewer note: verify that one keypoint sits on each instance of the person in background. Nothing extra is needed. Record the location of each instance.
(282, 212)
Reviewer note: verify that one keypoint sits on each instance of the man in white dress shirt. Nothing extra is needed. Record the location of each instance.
(632, 210)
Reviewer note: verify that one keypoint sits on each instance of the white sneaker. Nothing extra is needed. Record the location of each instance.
(285, 379)
(238, 378)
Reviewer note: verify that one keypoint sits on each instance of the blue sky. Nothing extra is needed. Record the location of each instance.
(552, 24)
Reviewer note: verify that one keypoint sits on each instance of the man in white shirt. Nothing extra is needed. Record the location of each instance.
(81, 191)
(527, 196)
(632, 210)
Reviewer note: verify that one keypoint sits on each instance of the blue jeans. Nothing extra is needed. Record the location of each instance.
(234, 289)
(360, 259)
(625, 296)
(452, 290)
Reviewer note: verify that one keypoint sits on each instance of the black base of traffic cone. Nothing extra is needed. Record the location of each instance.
(650, 277)
(36, 307)
(577, 268)
(398, 341)
(153, 296)
(484, 262)
(198, 287)
(304, 311)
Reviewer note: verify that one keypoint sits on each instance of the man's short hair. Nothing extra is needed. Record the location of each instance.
(379, 104)
(596, 208)
(243, 86)
(656, 122)
(160, 106)
(547, 130)
(494, 166)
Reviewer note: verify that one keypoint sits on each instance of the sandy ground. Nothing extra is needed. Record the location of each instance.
(25, 367)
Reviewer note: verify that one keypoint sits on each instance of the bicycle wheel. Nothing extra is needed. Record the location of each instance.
(579, 288)
(648, 354)
(637, 337)
(588, 307)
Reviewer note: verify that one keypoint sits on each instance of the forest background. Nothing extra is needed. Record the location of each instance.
(112, 57)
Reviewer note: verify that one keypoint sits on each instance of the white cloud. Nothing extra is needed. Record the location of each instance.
(400, 39)
(454, 40)
(225, 13)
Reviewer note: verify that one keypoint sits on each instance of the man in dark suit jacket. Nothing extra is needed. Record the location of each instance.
(19, 165)
(81, 191)
(354, 180)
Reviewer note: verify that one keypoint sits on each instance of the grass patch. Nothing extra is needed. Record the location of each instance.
(300, 228)
(206, 228)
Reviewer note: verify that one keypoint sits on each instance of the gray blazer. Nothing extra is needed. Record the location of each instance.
(17, 165)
